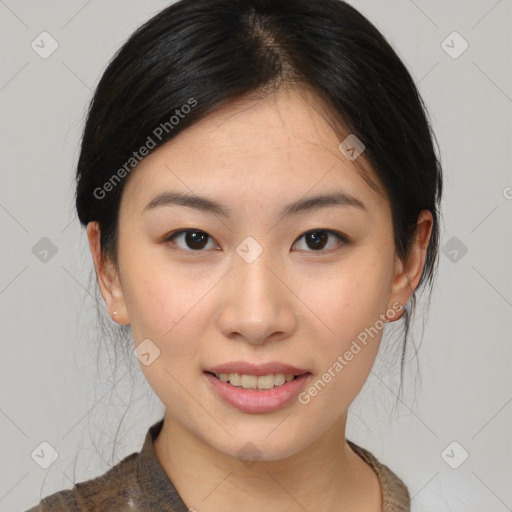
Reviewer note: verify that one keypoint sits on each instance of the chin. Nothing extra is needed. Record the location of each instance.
(259, 444)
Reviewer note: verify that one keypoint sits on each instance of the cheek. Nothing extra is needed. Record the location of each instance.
(350, 298)
(170, 306)
(349, 304)
(160, 297)
(165, 308)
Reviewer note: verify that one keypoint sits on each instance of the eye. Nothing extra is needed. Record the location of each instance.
(317, 239)
(194, 239)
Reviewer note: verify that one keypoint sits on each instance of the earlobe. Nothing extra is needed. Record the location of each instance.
(107, 276)
(408, 275)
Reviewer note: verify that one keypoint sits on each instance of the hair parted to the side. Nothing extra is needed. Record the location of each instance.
(204, 54)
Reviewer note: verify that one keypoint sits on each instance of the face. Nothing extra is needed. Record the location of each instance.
(254, 281)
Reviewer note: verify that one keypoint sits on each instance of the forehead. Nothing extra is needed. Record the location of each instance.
(263, 150)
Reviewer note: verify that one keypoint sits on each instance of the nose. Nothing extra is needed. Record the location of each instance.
(257, 302)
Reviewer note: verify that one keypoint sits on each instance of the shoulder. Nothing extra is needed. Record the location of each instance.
(395, 495)
(112, 491)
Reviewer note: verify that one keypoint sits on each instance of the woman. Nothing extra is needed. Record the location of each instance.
(260, 190)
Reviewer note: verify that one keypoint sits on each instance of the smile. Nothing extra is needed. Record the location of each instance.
(261, 382)
(243, 391)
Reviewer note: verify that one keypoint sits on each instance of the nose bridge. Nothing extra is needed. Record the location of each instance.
(256, 283)
(257, 305)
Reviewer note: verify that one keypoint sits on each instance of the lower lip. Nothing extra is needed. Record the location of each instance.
(256, 401)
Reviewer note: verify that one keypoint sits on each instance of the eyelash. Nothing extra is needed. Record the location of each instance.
(340, 236)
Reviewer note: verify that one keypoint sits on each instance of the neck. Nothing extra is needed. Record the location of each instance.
(327, 475)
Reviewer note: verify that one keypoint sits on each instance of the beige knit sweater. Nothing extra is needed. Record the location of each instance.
(139, 483)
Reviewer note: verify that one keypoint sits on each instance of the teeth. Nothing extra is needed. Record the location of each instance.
(254, 381)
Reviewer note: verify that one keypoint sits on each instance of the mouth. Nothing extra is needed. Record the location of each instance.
(257, 391)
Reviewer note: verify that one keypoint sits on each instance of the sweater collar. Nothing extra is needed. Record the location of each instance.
(156, 486)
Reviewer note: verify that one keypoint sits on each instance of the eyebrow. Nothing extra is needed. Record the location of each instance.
(205, 204)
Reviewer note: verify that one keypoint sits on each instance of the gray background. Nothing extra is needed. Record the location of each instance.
(457, 390)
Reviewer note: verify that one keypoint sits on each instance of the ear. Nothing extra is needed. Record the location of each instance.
(108, 278)
(407, 275)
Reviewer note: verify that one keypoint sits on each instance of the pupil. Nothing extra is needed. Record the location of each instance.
(192, 239)
(315, 236)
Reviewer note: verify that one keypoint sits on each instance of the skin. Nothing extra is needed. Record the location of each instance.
(294, 304)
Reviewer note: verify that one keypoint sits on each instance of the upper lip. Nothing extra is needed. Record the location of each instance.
(242, 367)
